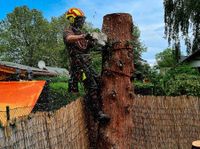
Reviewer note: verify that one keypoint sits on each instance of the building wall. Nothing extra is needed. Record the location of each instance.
(194, 63)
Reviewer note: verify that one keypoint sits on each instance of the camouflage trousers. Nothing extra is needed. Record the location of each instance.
(81, 71)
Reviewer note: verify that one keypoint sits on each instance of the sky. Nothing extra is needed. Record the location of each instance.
(147, 15)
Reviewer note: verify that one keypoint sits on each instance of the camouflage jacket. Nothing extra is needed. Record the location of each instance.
(78, 51)
(78, 47)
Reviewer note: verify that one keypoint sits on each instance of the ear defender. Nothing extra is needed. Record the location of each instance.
(71, 20)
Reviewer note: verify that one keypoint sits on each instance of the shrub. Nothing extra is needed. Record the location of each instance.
(143, 88)
(180, 80)
(183, 84)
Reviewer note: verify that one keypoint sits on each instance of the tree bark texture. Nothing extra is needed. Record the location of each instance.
(117, 89)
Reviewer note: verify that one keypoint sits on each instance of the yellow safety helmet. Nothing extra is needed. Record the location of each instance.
(72, 13)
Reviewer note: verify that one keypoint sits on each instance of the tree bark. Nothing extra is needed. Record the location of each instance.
(117, 89)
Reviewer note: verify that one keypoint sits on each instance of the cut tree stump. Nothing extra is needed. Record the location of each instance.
(196, 144)
(117, 89)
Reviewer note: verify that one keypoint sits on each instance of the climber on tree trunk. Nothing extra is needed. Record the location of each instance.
(78, 44)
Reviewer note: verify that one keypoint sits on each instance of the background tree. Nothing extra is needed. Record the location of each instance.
(23, 33)
(26, 37)
(182, 17)
(55, 43)
(141, 66)
(166, 58)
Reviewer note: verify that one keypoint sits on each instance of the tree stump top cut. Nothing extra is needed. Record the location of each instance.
(196, 144)
(118, 27)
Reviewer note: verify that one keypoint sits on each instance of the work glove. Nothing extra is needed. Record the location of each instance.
(88, 36)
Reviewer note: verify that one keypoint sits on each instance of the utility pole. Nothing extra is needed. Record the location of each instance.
(117, 89)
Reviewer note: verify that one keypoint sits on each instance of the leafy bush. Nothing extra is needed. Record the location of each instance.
(183, 84)
(143, 88)
(180, 80)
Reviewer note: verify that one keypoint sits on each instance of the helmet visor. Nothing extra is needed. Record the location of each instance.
(79, 21)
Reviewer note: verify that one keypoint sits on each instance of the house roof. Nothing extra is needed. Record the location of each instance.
(10, 68)
(59, 71)
(191, 56)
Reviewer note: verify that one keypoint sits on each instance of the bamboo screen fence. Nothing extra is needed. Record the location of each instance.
(62, 129)
(159, 123)
(165, 122)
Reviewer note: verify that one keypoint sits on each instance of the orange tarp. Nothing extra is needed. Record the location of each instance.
(20, 96)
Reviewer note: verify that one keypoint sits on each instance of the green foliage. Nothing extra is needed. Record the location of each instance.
(96, 61)
(181, 17)
(26, 37)
(181, 69)
(62, 87)
(139, 47)
(180, 80)
(56, 44)
(141, 67)
(157, 80)
(58, 95)
(143, 88)
(59, 86)
(142, 70)
(59, 90)
(23, 33)
(166, 58)
(183, 84)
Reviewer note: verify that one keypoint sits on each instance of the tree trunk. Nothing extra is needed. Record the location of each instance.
(117, 89)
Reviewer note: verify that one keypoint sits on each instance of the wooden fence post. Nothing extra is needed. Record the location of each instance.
(117, 89)
(7, 113)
